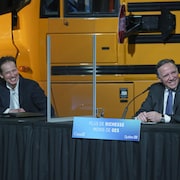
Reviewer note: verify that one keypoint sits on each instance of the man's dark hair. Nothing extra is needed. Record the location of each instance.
(162, 62)
(5, 59)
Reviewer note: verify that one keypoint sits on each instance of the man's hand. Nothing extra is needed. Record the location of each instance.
(142, 117)
(152, 116)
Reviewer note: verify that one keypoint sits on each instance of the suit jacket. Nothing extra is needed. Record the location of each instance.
(155, 101)
(31, 97)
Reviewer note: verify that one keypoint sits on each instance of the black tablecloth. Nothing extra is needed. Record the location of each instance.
(46, 151)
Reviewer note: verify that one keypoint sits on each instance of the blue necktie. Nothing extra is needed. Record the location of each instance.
(169, 105)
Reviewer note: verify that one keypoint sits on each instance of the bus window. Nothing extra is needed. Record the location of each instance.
(91, 8)
(49, 8)
(78, 6)
(103, 6)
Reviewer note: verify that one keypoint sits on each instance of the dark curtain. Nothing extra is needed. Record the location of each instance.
(42, 151)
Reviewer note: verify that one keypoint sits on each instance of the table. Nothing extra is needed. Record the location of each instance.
(37, 150)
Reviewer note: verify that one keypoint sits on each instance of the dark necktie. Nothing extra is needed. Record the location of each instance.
(169, 105)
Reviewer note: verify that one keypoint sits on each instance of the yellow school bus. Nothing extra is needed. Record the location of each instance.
(131, 36)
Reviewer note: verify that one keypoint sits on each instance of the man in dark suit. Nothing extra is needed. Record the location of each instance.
(154, 108)
(18, 94)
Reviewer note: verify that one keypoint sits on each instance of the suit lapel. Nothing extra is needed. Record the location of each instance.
(161, 101)
(20, 91)
(177, 99)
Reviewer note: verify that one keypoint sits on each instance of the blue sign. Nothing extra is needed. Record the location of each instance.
(106, 128)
